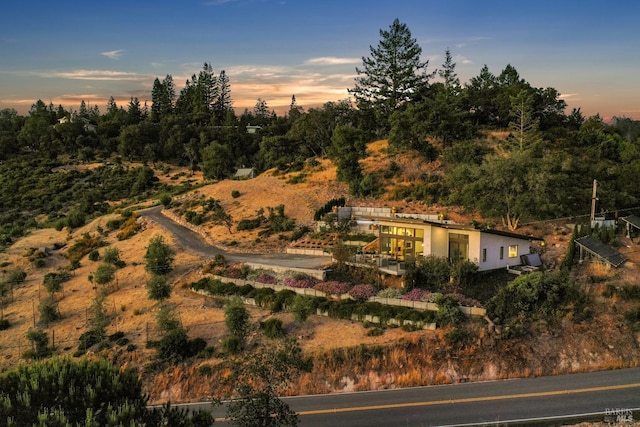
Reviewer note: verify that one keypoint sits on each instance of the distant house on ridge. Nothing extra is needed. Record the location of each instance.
(245, 173)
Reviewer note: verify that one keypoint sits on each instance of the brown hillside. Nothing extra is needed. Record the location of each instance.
(402, 358)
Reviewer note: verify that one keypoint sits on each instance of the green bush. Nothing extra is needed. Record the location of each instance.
(235, 194)
(94, 255)
(89, 339)
(273, 328)
(174, 346)
(629, 292)
(4, 324)
(375, 332)
(282, 298)
(249, 224)
(232, 345)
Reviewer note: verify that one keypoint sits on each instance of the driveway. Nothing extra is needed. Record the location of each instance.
(191, 241)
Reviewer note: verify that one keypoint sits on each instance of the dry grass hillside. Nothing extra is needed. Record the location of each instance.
(399, 358)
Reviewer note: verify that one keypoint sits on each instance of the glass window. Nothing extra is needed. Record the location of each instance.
(384, 229)
(484, 255)
(419, 232)
(501, 252)
(513, 251)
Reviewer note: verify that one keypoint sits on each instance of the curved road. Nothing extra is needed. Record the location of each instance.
(556, 400)
(193, 242)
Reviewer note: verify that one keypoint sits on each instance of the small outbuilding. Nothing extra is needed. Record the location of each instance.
(245, 173)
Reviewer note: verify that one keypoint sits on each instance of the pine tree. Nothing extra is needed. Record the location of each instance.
(393, 74)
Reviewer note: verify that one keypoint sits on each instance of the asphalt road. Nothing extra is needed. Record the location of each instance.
(531, 401)
(189, 240)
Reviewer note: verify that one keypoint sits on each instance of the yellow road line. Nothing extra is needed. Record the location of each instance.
(469, 399)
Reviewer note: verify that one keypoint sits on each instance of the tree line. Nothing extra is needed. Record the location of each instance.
(542, 169)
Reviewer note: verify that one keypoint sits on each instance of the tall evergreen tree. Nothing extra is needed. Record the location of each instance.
(222, 103)
(393, 73)
(162, 98)
(480, 93)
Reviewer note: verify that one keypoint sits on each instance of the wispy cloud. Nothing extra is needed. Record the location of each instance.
(462, 60)
(113, 54)
(332, 60)
(95, 75)
(569, 95)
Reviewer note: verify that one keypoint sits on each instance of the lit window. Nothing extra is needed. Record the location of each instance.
(513, 251)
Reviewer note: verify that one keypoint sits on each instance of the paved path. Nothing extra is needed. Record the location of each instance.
(191, 241)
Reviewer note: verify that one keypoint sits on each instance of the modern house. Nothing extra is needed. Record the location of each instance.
(404, 238)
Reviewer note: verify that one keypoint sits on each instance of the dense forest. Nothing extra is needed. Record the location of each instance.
(543, 169)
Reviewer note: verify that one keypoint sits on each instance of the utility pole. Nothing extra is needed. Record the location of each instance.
(594, 198)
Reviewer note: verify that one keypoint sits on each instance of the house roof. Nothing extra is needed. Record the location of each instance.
(633, 220)
(454, 226)
(601, 250)
(244, 172)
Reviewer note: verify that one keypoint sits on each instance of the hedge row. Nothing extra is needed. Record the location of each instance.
(343, 309)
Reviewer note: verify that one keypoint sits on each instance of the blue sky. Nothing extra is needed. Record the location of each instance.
(67, 51)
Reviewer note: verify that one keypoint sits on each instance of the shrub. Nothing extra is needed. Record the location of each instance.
(111, 256)
(375, 332)
(273, 328)
(415, 294)
(362, 292)
(390, 293)
(48, 309)
(267, 279)
(629, 292)
(128, 228)
(94, 255)
(332, 288)
(456, 336)
(249, 224)
(89, 339)
(53, 281)
(4, 324)
(16, 275)
(302, 307)
(300, 282)
(466, 301)
(235, 194)
(232, 345)
(165, 200)
(174, 346)
(282, 298)
(193, 217)
(158, 289)
(40, 342)
(449, 312)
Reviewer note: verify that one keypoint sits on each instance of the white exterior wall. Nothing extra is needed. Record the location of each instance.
(492, 243)
(439, 242)
(475, 253)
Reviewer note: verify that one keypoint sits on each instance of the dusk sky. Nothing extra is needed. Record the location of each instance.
(67, 51)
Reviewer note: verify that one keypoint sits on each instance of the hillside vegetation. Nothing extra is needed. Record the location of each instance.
(347, 356)
(84, 273)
